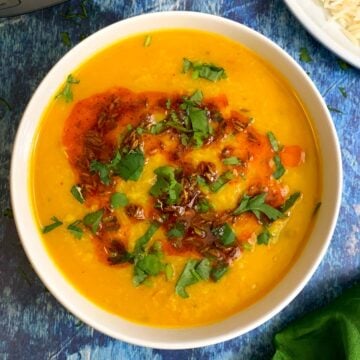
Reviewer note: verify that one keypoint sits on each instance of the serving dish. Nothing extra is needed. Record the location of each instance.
(315, 19)
(253, 316)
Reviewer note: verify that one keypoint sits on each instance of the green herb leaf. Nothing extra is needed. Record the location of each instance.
(177, 231)
(279, 168)
(166, 184)
(204, 268)
(332, 109)
(66, 92)
(188, 277)
(169, 272)
(75, 230)
(256, 205)
(203, 206)
(203, 70)
(65, 38)
(304, 55)
(232, 160)
(56, 223)
(273, 141)
(290, 202)
(219, 271)
(77, 193)
(316, 209)
(8, 213)
(147, 40)
(103, 171)
(343, 91)
(131, 165)
(92, 220)
(264, 237)
(144, 239)
(225, 234)
(200, 124)
(197, 97)
(342, 64)
(150, 264)
(118, 200)
(72, 14)
(187, 65)
(221, 181)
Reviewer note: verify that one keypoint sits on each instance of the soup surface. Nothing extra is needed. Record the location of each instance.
(175, 178)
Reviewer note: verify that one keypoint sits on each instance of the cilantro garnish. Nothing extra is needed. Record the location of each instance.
(77, 193)
(75, 230)
(65, 38)
(147, 40)
(66, 92)
(203, 205)
(203, 70)
(177, 231)
(225, 234)
(144, 239)
(279, 168)
(273, 141)
(335, 110)
(290, 202)
(92, 220)
(343, 91)
(131, 165)
(118, 200)
(219, 271)
(166, 184)
(103, 171)
(55, 223)
(8, 213)
(304, 55)
(221, 181)
(193, 272)
(232, 160)
(264, 237)
(256, 205)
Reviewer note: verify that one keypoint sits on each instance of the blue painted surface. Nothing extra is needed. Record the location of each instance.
(33, 325)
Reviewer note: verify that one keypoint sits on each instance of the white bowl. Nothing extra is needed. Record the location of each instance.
(278, 297)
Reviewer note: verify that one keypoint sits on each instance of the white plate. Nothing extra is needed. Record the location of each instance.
(317, 21)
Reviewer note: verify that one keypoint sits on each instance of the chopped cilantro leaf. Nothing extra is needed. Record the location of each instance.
(144, 239)
(177, 231)
(221, 181)
(204, 268)
(166, 184)
(66, 92)
(279, 168)
(225, 234)
(304, 55)
(203, 70)
(8, 213)
(75, 230)
(77, 193)
(55, 223)
(219, 271)
(290, 202)
(147, 40)
(264, 237)
(343, 91)
(65, 38)
(103, 171)
(92, 220)
(203, 205)
(332, 109)
(169, 271)
(273, 141)
(131, 165)
(232, 160)
(118, 200)
(188, 277)
(256, 205)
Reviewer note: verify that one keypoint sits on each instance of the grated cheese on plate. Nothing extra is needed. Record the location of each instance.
(347, 14)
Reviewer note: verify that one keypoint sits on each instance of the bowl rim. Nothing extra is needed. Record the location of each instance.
(179, 338)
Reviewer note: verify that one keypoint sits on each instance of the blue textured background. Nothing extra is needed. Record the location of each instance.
(33, 325)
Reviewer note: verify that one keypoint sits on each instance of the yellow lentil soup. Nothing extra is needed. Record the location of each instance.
(174, 178)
